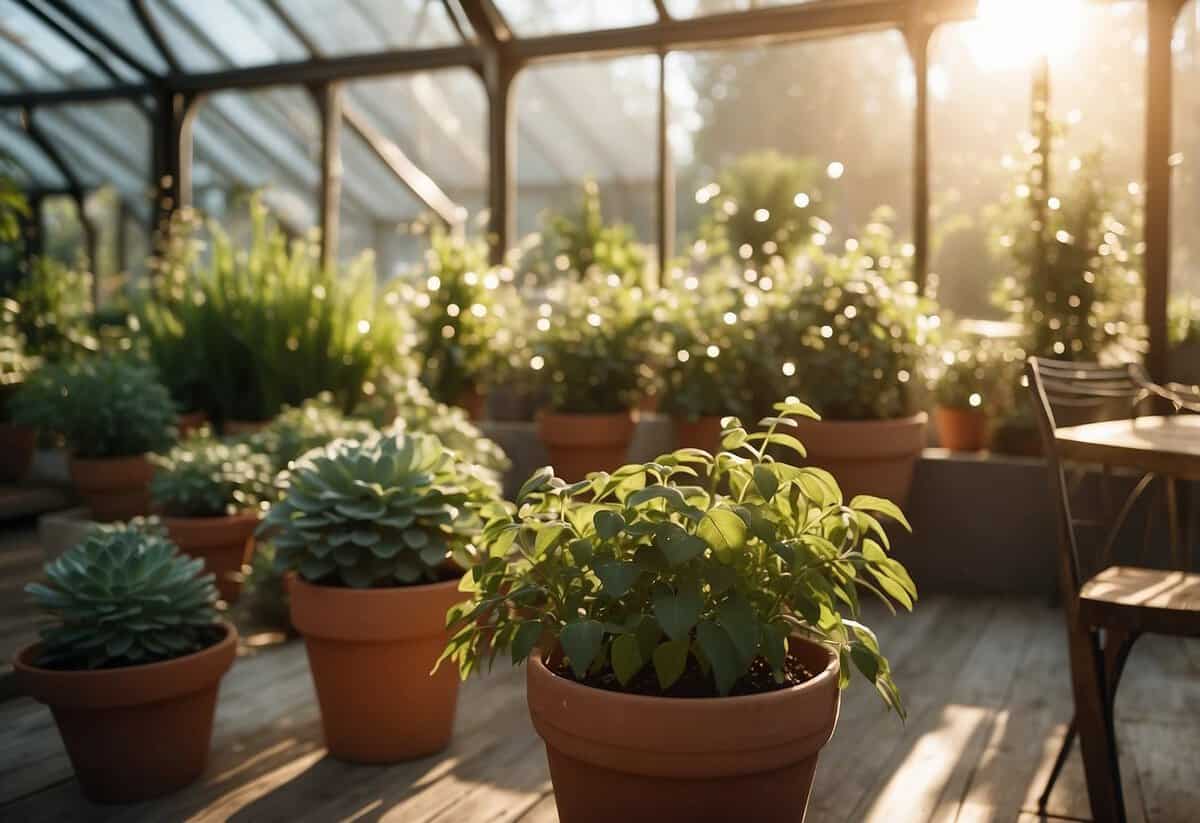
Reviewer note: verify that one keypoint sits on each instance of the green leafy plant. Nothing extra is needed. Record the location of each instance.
(388, 511)
(101, 407)
(264, 592)
(203, 477)
(592, 345)
(122, 597)
(55, 302)
(575, 242)
(296, 430)
(851, 331)
(692, 565)
(15, 363)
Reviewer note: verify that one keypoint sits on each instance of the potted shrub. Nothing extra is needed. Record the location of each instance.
(590, 352)
(682, 624)
(110, 412)
(967, 391)
(130, 662)
(208, 494)
(851, 332)
(377, 532)
(17, 442)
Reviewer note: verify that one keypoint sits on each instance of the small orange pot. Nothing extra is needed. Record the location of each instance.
(136, 732)
(622, 757)
(700, 433)
(583, 443)
(114, 488)
(866, 456)
(190, 422)
(961, 430)
(371, 652)
(236, 427)
(224, 543)
(17, 444)
(473, 402)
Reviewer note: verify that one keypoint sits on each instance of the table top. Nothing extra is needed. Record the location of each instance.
(1164, 445)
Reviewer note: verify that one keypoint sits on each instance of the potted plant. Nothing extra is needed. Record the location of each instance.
(17, 442)
(378, 532)
(111, 412)
(968, 390)
(682, 625)
(130, 662)
(851, 331)
(208, 494)
(711, 363)
(590, 352)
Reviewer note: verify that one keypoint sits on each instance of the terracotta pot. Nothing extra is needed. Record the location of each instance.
(136, 732)
(114, 488)
(630, 758)
(961, 430)
(583, 443)
(866, 456)
(225, 544)
(700, 433)
(371, 652)
(236, 427)
(473, 403)
(17, 445)
(189, 422)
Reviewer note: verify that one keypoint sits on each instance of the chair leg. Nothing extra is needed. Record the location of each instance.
(1097, 733)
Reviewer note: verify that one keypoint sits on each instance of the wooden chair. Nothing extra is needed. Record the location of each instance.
(1106, 611)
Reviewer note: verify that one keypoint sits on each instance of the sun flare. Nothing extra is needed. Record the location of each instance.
(1009, 34)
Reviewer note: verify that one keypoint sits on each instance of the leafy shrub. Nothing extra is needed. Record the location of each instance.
(592, 344)
(101, 406)
(121, 597)
(55, 302)
(296, 430)
(202, 477)
(574, 242)
(655, 568)
(15, 363)
(975, 373)
(391, 510)
(416, 411)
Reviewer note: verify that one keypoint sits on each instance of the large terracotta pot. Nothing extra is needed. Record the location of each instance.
(583, 443)
(371, 652)
(961, 430)
(700, 433)
(136, 732)
(114, 488)
(189, 422)
(866, 456)
(225, 544)
(629, 758)
(17, 444)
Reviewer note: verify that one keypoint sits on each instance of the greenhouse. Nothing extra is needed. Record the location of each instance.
(593, 410)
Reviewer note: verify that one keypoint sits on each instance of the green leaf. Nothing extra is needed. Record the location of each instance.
(677, 613)
(722, 654)
(796, 408)
(581, 642)
(740, 622)
(547, 535)
(608, 524)
(616, 576)
(865, 661)
(765, 481)
(670, 659)
(894, 589)
(676, 544)
(870, 503)
(626, 658)
(733, 439)
(581, 550)
(774, 645)
(648, 634)
(538, 481)
(789, 442)
(724, 531)
(525, 639)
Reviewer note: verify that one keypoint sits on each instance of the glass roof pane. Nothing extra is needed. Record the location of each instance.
(102, 143)
(32, 167)
(534, 17)
(362, 26)
(34, 56)
(700, 8)
(216, 34)
(117, 20)
(124, 71)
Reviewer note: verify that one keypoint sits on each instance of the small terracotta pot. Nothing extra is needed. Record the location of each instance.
(114, 488)
(136, 732)
(189, 422)
(17, 445)
(866, 456)
(371, 652)
(583, 443)
(236, 427)
(473, 402)
(961, 430)
(224, 543)
(700, 433)
(630, 758)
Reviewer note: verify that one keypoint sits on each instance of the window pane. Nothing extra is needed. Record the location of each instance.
(217, 34)
(30, 165)
(531, 17)
(103, 143)
(116, 19)
(1185, 196)
(355, 26)
(39, 57)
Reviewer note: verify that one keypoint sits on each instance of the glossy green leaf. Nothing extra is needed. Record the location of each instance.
(670, 660)
(581, 641)
(626, 658)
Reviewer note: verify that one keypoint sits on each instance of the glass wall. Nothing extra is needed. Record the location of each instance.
(1185, 195)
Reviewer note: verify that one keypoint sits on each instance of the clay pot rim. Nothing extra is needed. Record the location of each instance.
(920, 418)
(967, 409)
(215, 521)
(22, 661)
(124, 458)
(817, 681)
(585, 417)
(371, 616)
(380, 591)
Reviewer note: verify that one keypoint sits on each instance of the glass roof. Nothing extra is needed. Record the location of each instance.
(536, 17)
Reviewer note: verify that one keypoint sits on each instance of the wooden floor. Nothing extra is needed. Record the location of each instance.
(985, 682)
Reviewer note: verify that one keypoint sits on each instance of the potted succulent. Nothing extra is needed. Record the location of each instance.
(711, 365)
(377, 532)
(111, 412)
(208, 494)
(590, 352)
(851, 331)
(130, 662)
(17, 442)
(682, 625)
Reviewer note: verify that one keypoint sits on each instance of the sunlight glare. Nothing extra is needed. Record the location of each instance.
(1009, 34)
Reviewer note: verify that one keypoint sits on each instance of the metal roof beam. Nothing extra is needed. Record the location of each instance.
(72, 38)
(155, 33)
(99, 35)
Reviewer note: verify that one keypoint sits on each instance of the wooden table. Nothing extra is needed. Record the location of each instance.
(1168, 446)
